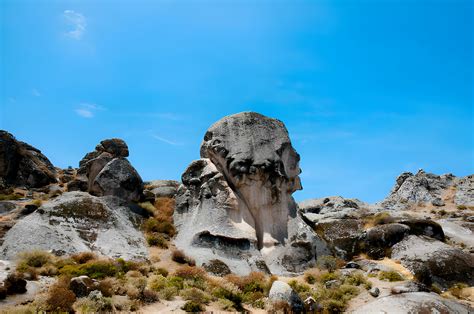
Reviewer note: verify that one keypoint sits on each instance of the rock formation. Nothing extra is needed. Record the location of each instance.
(106, 171)
(235, 202)
(22, 164)
(77, 222)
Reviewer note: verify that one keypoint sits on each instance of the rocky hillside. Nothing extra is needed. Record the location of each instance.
(98, 238)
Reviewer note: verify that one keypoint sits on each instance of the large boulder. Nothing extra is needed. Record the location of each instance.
(106, 171)
(77, 222)
(160, 188)
(380, 238)
(327, 209)
(433, 261)
(416, 302)
(118, 178)
(22, 164)
(235, 202)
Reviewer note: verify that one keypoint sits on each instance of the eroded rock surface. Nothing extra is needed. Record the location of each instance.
(77, 222)
(235, 202)
(22, 164)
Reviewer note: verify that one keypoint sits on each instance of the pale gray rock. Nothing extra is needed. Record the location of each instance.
(417, 188)
(380, 238)
(235, 202)
(78, 222)
(431, 260)
(6, 207)
(375, 292)
(118, 178)
(465, 191)
(416, 302)
(160, 188)
(408, 287)
(281, 291)
(458, 231)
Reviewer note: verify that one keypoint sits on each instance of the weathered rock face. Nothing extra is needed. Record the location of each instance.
(160, 188)
(22, 164)
(235, 202)
(281, 291)
(427, 188)
(106, 171)
(77, 222)
(416, 302)
(431, 260)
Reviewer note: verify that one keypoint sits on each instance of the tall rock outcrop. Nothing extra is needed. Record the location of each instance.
(22, 164)
(235, 202)
(106, 171)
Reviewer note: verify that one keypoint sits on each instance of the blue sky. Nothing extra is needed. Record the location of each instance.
(367, 89)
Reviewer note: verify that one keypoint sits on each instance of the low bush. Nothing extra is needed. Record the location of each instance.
(190, 272)
(15, 283)
(195, 295)
(162, 271)
(179, 257)
(94, 269)
(165, 206)
(192, 307)
(9, 197)
(390, 276)
(159, 226)
(381, 218)
(106, 287)
(35, 258)
(60, 298)
(327, 262)
(156, 239)
(87, 305)
(84, 257)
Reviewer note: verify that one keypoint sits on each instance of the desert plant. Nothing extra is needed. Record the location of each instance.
(84, 257)
(15, 283)
(162, 271)
(156, 239)
(195, 295)
(382, 219)
(190, 272)
(193, 307)
(35, 258)
(461, 207)
(60, 298)
(179, 257)
(327, 262)
(390, 276)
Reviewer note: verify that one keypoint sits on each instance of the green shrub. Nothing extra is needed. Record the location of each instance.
(299, 287)
(168, 293)
(157, 282)
(154, 225)
(94, 269)
(461, 207)
(195, 295)
(9, 197)
(162, 271)
(190, 272)
(155, 239)
(310, 278)
(382, 219)
(334, 306)
(355, 279)
(390, 276)
(327, 262)
(193, 307)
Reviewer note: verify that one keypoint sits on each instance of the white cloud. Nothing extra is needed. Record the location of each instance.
(88, 110)
(164, 140)
(35, 92)
(77, 24)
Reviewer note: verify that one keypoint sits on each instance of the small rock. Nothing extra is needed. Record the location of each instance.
(95, 295)
(81, 286)
(437, 202)
(352, 265)
(217, 267)
(281, 291)
(374, 292)
(28, 209)
(408, 287)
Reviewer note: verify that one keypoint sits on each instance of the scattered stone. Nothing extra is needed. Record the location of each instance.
(81, 286)
(375, 292)
(281, 291)
(352, 265)
(437, 202)
(28, 209)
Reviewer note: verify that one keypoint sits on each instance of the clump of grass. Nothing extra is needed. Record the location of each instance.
(84, 257)
(156, 239)
(381, 218)
(96, 269)
(159, 226)
(461, 207)
(179, 257)
(60, 298)
(9, 197)
(35, 258)
(195, 295)
(456, 290)
(192, 307)
(390, 276)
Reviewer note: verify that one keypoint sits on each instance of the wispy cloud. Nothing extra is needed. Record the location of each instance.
(35, 92)
(76, 22)
(164, 140)
(87, 110)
